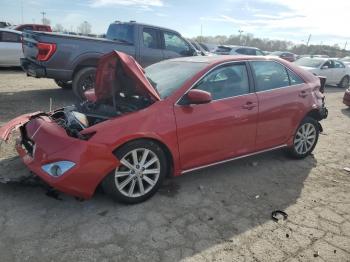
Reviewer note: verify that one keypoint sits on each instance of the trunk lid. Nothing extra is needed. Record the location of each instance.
(15, 123)
(118, 71)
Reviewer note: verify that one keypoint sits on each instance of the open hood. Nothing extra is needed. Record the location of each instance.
(119, 72)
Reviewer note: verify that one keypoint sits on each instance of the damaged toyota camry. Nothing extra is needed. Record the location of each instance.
(138, 126)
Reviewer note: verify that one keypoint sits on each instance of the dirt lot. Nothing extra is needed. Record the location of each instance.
(217, 214)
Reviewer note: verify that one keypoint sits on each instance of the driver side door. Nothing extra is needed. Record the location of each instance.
(223, 128)
(175, 46)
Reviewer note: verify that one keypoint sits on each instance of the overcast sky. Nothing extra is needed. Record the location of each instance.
(327, 21)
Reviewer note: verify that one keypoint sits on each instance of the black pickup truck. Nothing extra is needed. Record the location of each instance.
(71, 60)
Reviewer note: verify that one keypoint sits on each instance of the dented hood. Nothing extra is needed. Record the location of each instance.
(15, 123)
(120, 71)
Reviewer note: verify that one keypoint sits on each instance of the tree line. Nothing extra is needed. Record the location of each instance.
(274, 45)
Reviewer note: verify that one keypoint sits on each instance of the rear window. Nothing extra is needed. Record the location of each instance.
(121, 32)
(10, 37)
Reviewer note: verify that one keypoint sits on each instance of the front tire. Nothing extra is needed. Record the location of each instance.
(305, 138)
(143, 166)
(84, 80)
(344, 83)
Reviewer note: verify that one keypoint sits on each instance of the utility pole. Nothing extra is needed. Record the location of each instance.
(43, 13)
(240, 34)
(21, 11)
(308, 40)
(346, 43)
(201, 33)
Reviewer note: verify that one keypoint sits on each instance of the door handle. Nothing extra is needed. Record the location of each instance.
(303, 94)
(249, 105)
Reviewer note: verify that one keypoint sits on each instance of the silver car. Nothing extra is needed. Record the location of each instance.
(10, 47)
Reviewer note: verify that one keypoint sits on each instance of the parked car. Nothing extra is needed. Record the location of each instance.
(333, 69)
(199, 48)
(290, 57)
(346, 98)
(238, 50)
(140, 126)
(10, 47)
(346, 60)
(72, 60)
(4, 24)
(32, 27)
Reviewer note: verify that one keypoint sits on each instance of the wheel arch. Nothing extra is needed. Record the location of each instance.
(169, 156)
(86, 60)
(315, 114)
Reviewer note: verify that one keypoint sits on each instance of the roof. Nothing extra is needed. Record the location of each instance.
(10, 30)
(238, 46)
(146, 25)
(221, 58)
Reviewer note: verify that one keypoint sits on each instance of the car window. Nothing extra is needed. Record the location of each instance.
(338, 65)
(175, 43)
(226, 81)
(294, 78)
(121, 32)
(150, 38)
(10, 37)
(329, 63)
(259, 53)
(269, 75)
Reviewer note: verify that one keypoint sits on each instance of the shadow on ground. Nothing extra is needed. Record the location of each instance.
(16, 103)
(197, 211)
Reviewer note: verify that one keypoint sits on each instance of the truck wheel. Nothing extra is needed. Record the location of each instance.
(63, 84)
(84, 80)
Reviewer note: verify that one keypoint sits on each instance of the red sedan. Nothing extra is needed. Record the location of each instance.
(176, 116)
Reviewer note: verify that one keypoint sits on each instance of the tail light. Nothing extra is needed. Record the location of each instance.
(45, 51)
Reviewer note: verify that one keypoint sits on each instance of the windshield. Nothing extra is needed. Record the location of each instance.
(168, 76)
(310, 62)
(121, 32)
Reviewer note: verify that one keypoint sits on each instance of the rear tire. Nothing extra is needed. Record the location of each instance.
(305, 138)
(84, 80)
(64, 84)
(140, 174)
(344, 83)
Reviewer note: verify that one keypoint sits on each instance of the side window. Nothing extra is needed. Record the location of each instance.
(269, 75)
(176, 44)
(150, 38)
(241, 51)
(259, 53)
(294, 78)
(226, 81)
(338, 64)
(10, 37)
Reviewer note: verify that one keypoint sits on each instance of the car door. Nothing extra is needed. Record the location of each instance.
(175, 46)
(282, 97)
(10, 49)
(223, 128)
(339, 71)
(327, 70)
(150, 45)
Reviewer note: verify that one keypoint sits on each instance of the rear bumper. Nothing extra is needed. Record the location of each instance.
(92, 161)
(32, 69)
(346, 98)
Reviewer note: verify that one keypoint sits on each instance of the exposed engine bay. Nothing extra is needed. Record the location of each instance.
(80, 116)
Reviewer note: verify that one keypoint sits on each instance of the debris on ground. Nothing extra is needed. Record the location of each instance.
(255, 164)
(316, 254)
(287, 235)
(257, 196)
(347, 169)
(278, 215)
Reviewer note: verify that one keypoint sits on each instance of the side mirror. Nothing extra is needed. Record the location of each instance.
(324, 67)
(196, 96)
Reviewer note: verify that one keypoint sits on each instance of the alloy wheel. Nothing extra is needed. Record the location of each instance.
(305, 138)
(138, 173)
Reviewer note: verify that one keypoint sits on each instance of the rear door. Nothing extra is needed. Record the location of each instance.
(282, 97)
(223, 128)
(10, 48)
(150, 46)
(327, 70)
(339, 71)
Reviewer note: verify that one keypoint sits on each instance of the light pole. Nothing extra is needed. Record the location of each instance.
(240, 34)
(43, 13)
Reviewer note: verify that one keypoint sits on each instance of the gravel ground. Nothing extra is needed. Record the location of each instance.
(222, 213)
